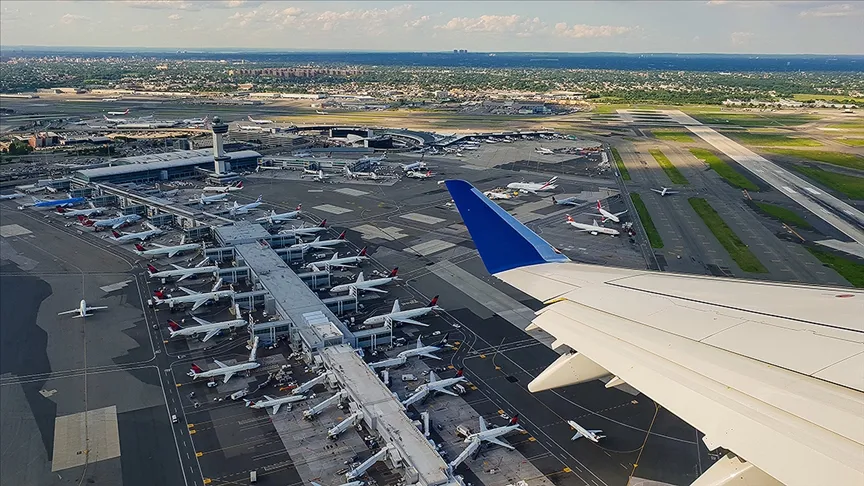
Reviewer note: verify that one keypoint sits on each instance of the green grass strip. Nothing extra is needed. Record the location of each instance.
(673, 136)
(620, 163)
(850, 186)
(674, 174)
(849, 269)
(724, 170)
(724, 234)
(647, 222)
(841, 159)
(785, 215)
(772, 139)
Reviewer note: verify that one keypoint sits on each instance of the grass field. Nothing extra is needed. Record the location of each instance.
(850, 269)
(784, 215)
(647, 222)
(620, 163)
(753, 120)
(852, 142)
(851, 186)
(724, 234)
(857, 124)
(826, 97)
(840, 159)
(772, 139)
(674, 174)
(724, 170)
(681, 136)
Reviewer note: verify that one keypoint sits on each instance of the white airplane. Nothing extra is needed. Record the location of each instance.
(497, 195)
(237, 186)
(415, 166)
(337, 262)
(732, 357)
(372, 160)
(116, 120)
(274, 218)
(209, 329)
(110, 99)
(316, 175)
(664, 191)
(533, 187)
(607, 215)
(363, 284)
(544, 151)
(413, 174)
(435, 385)
(14, 195)
(406, 316)
(319, 244)
(567, 201)
(73, 213)
(595, 229)
(305, 230)
(204, 200)
(171, 251)
(122, 237)
(276, 403)
(492, 435)
(319, 112)
(196, 121)
(224, 370)
(197, 299)
(245, 208)
(421, 350)
(183, 272)
(81, 311)
(119, 113)
(112, 223)
(592, 435)
(259, 122)
(360, 175)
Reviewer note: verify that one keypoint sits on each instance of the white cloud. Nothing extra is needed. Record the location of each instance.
(834, 10)
(741, 38)
(489, 23)
(416, 23)
(175, 17)
(72, 18)
(583, 31)
(160, 4)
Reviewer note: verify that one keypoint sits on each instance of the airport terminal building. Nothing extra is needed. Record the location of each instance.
(165, 167)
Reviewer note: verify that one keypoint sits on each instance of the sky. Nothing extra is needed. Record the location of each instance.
(710, 26)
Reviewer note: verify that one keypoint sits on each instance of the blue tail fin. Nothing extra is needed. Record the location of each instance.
(503, 242)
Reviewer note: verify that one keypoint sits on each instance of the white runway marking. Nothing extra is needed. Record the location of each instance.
(430, 247)
(351, 192)
(422, 218)
(390, 233)
(8, 230)
(115, 286)
(329, 208)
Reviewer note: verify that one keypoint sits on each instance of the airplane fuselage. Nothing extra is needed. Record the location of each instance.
(225, 371)
(191, 299)
(205, 328)
(593, 229)
(395, 316)
(362, 285)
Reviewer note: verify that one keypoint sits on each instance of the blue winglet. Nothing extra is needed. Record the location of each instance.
(503, 242)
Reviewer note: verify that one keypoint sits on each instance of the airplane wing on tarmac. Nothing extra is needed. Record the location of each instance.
(769, 371)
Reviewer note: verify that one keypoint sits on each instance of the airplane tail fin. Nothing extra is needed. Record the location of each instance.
(341, 236)
(158, 294)
(116, 234)
(152, 269)
(554, 201)
(173, 325)
(60, 210)
(393, 272)
(259, 198)
(503, 242)
(362, 252)
(433, 302)
(514, 420)
(323, 224)
(126, 112)
(139, 247)
(196, 369)
(299, 206)
(239, 185)
(460, 372)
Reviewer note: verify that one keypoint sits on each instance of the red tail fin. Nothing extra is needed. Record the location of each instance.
(239, 185)
(60, 210)
(394, 272)
(173, 325)
(323, 224)
(152, 269)
(196, 369)
(362, 252)
(116, 234)
(139, 247)
(81, 219)
(569, 218)
(514, 420)
(341, 236)
(460, 372)
(159, 294)
(298, 207)
(598, 205)
(433, 302)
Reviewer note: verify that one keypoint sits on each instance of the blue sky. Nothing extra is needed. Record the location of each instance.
(722, 26)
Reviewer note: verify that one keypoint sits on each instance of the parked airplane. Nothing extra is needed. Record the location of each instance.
(196, 121)
(422, 350)
(533, 187)
(14, 195)
(363, 284)
(116, 120)
(316, 175)
(594, 229)
(259, 122)
(81, 311)
(415, 166)
(664, 191)
(121, 237)
(406, 316)
(544, 151)
(209, 329)
(274, 218)
(321, 112)
(56, 203)
(245, 208)
(110, 99)
(372, 160)
(112, 223)
(413, 174)
(337, 262)
(204, 200)
(71, 213)
(227, 371)
(497, 195)
(592, 435)
(435, 385)
(567, 201)
(170, 251)
(237, 186)
(183, 272)
(492, 435)
(607, 215)
(197, 299)
(753, 389)
(119, 113)
(276, 403)
(319, 244)
(305, 230)
(360, 175)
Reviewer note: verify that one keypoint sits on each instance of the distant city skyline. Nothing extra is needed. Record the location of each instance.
(715, 26)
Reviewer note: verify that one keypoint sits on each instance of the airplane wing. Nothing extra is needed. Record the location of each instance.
(341, 265)
(210, 334)
(159, 246)
(220, 364)
(276, 408)
(177, 267)
(96, 308)
(184, 277)
(405, 320)
(499, 442)
(188, 291)
(199, 303)
(658, 191)
(428, 355)
(228, 376)
(64, 313)
(118, 225)
(577, 436)
(373, 289)
(768, 371)
(448, 392)
(172, 253)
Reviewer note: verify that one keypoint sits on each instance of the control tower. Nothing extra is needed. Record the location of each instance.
(219, 157)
